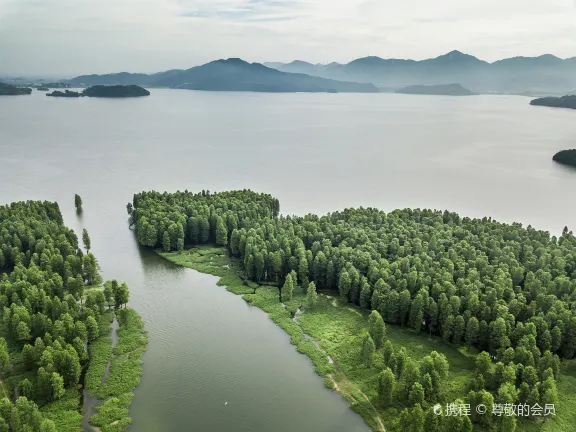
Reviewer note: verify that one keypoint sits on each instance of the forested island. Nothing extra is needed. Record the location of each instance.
(116, 91)
(556, 102)
(10, 90)
(54, 337)
(566, 157)
(65, 93)
(398, 311)
(42, 88)
(444, 89)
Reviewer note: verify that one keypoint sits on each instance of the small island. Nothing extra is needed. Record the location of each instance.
(116, 91)
(566, 157)
(556, 102)
(42, 88)
(440, 90)
(65, 93)
(10, 90)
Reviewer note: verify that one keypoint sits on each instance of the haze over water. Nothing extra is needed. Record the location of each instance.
(479, 156)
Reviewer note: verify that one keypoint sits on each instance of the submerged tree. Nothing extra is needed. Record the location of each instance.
(78, 202)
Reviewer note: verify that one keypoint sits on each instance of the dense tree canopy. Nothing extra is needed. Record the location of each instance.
(44, 272)
(501, 288)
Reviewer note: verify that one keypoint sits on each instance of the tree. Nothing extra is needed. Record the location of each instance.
(416, 395)
(25, 388)
(121, 295)
(459, 327)
(508, 424)
(29, 356)
(483, 363)
(166, 244)
(57, 384)
(78, 202)
(86, 240)
(221, 232)
(368, 349)
(377, 329)
(311, 296)
(92, 328)
(287, 289)
(386, 385)
(472, 330)
(5, 363)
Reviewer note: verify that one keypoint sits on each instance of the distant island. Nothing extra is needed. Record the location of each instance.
(442, 89)
(65, 93)
(116, 91)
(230, 75)
(566, 157)
(10, 90)
(42, 89)
(556, 102)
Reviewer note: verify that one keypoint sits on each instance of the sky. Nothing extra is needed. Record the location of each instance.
(66, 38)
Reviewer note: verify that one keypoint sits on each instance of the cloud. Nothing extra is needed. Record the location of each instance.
(242, 10)
(94, 36)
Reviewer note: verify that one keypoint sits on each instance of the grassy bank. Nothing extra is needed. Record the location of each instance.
(116, 392)
(331, 336)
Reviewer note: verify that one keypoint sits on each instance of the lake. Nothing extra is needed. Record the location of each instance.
(479, 156)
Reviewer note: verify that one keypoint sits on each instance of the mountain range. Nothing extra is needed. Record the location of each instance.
(228, 75)
(545, 73)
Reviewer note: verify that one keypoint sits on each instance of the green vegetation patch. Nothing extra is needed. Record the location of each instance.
(125, 372)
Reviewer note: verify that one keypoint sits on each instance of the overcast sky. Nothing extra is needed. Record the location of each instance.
(72, 37)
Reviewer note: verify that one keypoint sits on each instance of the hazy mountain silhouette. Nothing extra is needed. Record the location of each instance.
(545, 73)
(229, 75)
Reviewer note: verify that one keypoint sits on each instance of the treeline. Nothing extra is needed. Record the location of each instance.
(47, 318)
(501, 288)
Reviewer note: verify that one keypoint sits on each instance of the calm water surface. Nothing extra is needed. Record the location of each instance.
(480, 156)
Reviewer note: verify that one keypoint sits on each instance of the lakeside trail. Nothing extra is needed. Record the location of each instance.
(344, 393)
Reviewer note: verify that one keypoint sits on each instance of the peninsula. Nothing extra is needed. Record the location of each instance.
(10, 90)
(556, 102)
(566, 157)
(443, 89)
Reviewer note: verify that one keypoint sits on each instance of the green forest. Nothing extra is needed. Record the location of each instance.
(55, 322)
(432, 307)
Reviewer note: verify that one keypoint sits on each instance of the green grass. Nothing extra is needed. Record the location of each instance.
(112, 415)
(125, 372)
(65, 412)
(99, 352)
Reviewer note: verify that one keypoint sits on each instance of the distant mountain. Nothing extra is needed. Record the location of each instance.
(229, 75)
(543, 74)
(443, 89)
(556, 102)
(10, 90)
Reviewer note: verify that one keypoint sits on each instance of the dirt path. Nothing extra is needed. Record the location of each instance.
(349, 383)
